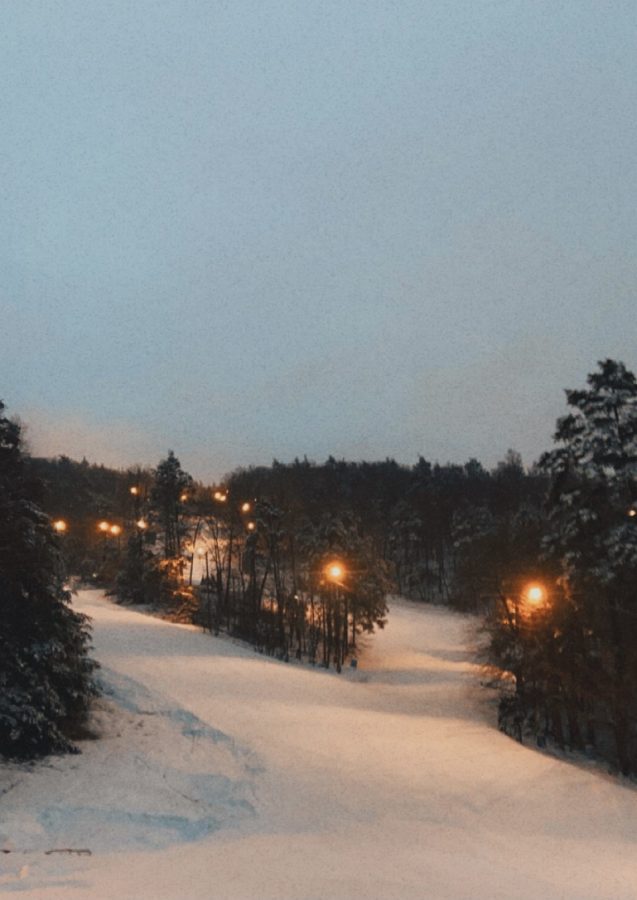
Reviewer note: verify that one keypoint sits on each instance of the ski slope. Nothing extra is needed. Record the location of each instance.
(221, 773)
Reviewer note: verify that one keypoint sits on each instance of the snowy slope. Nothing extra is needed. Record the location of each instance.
(224, 774)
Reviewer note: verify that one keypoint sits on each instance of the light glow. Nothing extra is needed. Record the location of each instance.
(535, 594)
(335, 571)
(60, 526)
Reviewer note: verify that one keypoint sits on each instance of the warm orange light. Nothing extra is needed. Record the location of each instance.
(183, 498)
(245, 507)
(60, 525)
(334, 571)
(535, 594)
(134, 490)
(632, 513)
(104, 526)
(220, 496)
(251, 526)
(116, 530)
(141, 523)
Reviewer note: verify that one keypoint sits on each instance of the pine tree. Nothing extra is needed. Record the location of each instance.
(46, 677)
(593, 535)
(171, 483)
(568, 666)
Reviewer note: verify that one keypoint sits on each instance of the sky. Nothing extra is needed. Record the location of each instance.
(257, 229)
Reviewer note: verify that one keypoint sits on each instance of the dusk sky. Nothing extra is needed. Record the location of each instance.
(246, 230)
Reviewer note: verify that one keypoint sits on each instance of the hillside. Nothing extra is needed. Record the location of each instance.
(223, 773)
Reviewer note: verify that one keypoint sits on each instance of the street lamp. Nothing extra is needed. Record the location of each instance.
(522, 605)
(334, 571)
(60, 526)
(535, 594)
(116, 531)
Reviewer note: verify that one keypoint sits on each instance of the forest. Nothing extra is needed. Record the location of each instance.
(300, 558)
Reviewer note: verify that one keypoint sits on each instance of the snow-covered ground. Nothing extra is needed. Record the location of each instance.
(221, 773)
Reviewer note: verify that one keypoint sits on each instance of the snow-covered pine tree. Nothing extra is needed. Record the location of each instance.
(592, 535)
(46, 677)
(170, 484)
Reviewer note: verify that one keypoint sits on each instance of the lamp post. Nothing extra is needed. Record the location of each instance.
(334, 573)
(116, 531)
(524, 603)
(531, 600)
(522, 630)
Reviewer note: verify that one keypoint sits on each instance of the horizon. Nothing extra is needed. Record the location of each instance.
(305, 460)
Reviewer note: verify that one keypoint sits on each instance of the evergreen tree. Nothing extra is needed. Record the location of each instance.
(355, 600)
(568, 664)
(139, 579)
(592, 534)
(170, 487)
(46, 680)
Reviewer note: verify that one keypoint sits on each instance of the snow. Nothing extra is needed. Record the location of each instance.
(223, 773)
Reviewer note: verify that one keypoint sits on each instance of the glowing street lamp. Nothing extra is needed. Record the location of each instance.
(521, 606)
(334, 571)
(116, 531)
(104, 526)
(535, 594)
(251, 526)
(60, 526)
(245, 507)
(134, 490)
(142, 524)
